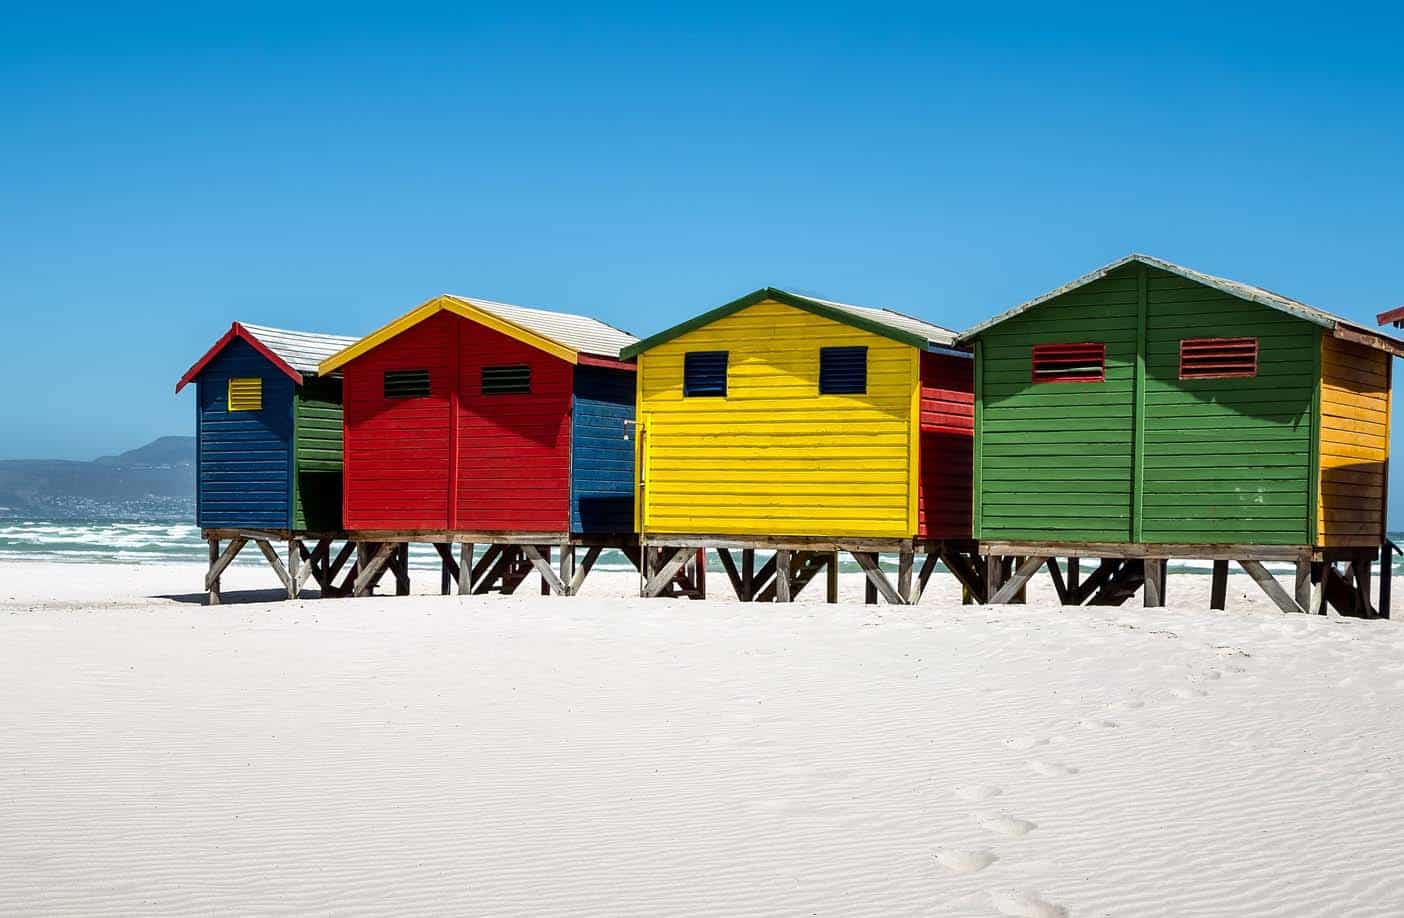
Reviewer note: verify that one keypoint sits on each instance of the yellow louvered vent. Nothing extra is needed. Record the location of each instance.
(246, 394)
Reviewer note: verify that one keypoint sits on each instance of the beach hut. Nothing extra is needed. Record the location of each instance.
(1147, 411)
(268, 451)
(474, 422)
(789, 423)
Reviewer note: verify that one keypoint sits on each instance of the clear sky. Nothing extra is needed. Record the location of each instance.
(167, 172)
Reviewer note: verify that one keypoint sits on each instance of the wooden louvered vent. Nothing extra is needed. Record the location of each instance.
(246, 394)
(1218, 358)
(843, 370)
(513, 379)
(406, 383)
(1061, 363)
(704, 374)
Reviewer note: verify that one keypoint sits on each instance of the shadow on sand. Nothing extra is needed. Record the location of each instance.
(237, 597)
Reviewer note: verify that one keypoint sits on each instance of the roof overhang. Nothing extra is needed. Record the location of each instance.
(454, 306)
(237, 331)
(1393, 317)
(817, 307)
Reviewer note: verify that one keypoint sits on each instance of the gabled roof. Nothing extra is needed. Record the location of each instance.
(884, 322)
(561, 334)
(293, 352)
(1342, 327)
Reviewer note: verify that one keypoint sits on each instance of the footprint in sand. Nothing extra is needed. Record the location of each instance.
(1096, 723)
(976, 791)
(1022, 903)
(1052, 769)
(959, 860)
(1005, 824)
(1025, 743)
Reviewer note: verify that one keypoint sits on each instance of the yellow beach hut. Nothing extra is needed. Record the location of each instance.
(782, 422)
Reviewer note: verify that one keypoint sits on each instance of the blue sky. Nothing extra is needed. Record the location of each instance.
(167, 172)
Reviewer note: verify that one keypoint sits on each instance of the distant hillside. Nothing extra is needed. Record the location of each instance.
(162, 468)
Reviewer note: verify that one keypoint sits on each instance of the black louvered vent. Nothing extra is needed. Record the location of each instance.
(406, 383)
(704, 373)
(513, 379)
(843, 370)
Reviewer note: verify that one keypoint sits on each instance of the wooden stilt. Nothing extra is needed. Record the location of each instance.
(294, 565)
(904, 575)
(1364, 602)
(465, 568)
(872, 568)
(1218, 588)
(567, 570)
(1386, 572)
(928, 565)
(371, 570)
(783, 581)
(729, 568)
(663, 570)
(831, 578)
(1020, 577)
(748, 574)
(994, 575)
(1154, 595)
(402, 577)
(1074, 576)
(870, 589)
(1056, 573)
(540, 558)
(592, 554)
(212, 579)
(1302, 593)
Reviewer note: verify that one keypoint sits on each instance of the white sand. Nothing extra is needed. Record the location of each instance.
(613, 756)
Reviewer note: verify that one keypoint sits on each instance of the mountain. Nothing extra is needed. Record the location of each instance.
(163, 468)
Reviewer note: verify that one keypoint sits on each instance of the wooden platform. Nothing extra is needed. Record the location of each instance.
(1337, 578)
(304, 563)
(798, 560)
(507, 560)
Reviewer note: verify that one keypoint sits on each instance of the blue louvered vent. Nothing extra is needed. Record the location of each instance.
(704, 373)
(843, 370)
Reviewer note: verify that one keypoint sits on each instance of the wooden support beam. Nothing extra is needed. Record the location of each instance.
(592, 554)
(994, 575)
(401, 570)
(1056, 574)
(377, 559)
(1105, 571)
(212, 578)
(448, 567)
(1363, 600)
(1386, 572)
(517, 571)
(1218, 588)
(1011, 587)
(294, 561)
(762, 579)
(500, 558)
(967, 571)
(542, 563)
(275, 562)
(1270, 586)
(545, 551)
(568, 570)
(810, 563)
(928, 565)
(831, 578)
(748, 575)
(492, 557)
(783, 558)
(1154, 596)
(465, 568)
(317, 560)
(1302, 593)
(1074, 576)
(222, 561)
(729, 566)
(877, 580)
(1122, 585)
(904, 575)
(671, 560)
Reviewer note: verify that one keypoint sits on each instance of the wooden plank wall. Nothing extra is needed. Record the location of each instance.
(1226, 460)
(513, 452)
(602, 451)
(244, 457)
(1355, 395)
(317, 462)
(397, 450)
(775, 457)
(947, 442)
(1055, 458)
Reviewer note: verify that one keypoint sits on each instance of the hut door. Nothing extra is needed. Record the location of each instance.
(644, 465)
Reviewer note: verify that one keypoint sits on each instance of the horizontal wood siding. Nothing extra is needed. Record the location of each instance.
(947, 436)
(1226, 460)
(244, 457)
(317, 451)
(513, 450)
(1056, 457)
(602, 451)
(1355, 396)
(397, 450)
(774, 457)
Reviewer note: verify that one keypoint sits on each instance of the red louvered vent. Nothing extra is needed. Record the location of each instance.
(1218, 358)
(1053, 363)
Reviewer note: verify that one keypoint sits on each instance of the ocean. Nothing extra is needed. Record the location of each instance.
(162, 531)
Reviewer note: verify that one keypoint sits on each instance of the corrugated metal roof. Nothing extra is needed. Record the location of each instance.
(1235, 288)
(935, 335)
(302, 351)
(579, 333)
